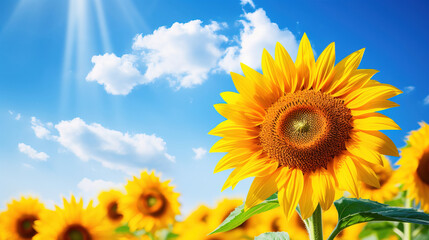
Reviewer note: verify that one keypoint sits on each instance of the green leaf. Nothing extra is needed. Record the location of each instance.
(273, 236)
(124, 229)
(238, 216)
(352, 211)
(381, 230)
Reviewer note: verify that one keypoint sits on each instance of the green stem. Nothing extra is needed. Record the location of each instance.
(408, 227)
(314, 225)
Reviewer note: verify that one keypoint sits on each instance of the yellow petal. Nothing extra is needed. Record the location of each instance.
(373, 106)
(324, 65)
(376, 141)
(308, 202)
(357, 80)
(261, 189)
(240, 115)
(346, 173)
(366, 174)
(284, 61)
(235, 158)
(290, 183)
(369, 94)
(255, 167)
(304, 64)
(227, 145)
(232, 130)
(323, 187)
(374, 122)
(268, 92)
(250, 89)
(342, 71)
(272, 71)
(364, 153)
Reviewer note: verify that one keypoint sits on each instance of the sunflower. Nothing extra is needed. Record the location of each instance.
(17, 222)
(74, 222)
(309, 125)
(388, 185)
(109, 202)
(149, 204)
(414, 166)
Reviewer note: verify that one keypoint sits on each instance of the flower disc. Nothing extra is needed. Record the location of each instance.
(306, 130)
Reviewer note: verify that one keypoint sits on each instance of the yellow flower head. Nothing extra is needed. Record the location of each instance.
(388, 185)
(109, 203)
(17, 222)
(73, 221)
(304, 125)
(149, 203)
(414, 170)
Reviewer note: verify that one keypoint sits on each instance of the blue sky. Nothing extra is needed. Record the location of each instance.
(92, 91)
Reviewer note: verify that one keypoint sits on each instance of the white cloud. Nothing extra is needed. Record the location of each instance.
(250, 2)
(119, 75)
(17, 116)
(90, 188)
(409, 89)
(112, 148)
(258, 32)
(185, 52)
(40, 130)
(199, 153)
(32, 153)
(426, 100)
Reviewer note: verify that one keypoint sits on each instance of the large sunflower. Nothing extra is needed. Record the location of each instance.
(17, 222)
(309, 125)
(149, 203)
(108, 201)
(388, 184)
(414, 170)
(74, 222)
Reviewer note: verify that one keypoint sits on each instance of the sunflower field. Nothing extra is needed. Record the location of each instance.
(308, 132)
(214, 120)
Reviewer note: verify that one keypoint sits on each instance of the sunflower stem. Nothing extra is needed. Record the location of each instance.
(314, 225)
(408, 227)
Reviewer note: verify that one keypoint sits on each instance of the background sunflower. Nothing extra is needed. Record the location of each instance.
(149, 203)
(388, 184)
(17, 222)
(414, 166)
(73, 221)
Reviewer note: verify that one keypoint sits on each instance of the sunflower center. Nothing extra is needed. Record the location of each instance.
(25, 228)
(76, 232)
(275, 226)
(306, 130)
(152, 203)
(423, 168)
(112, 211)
